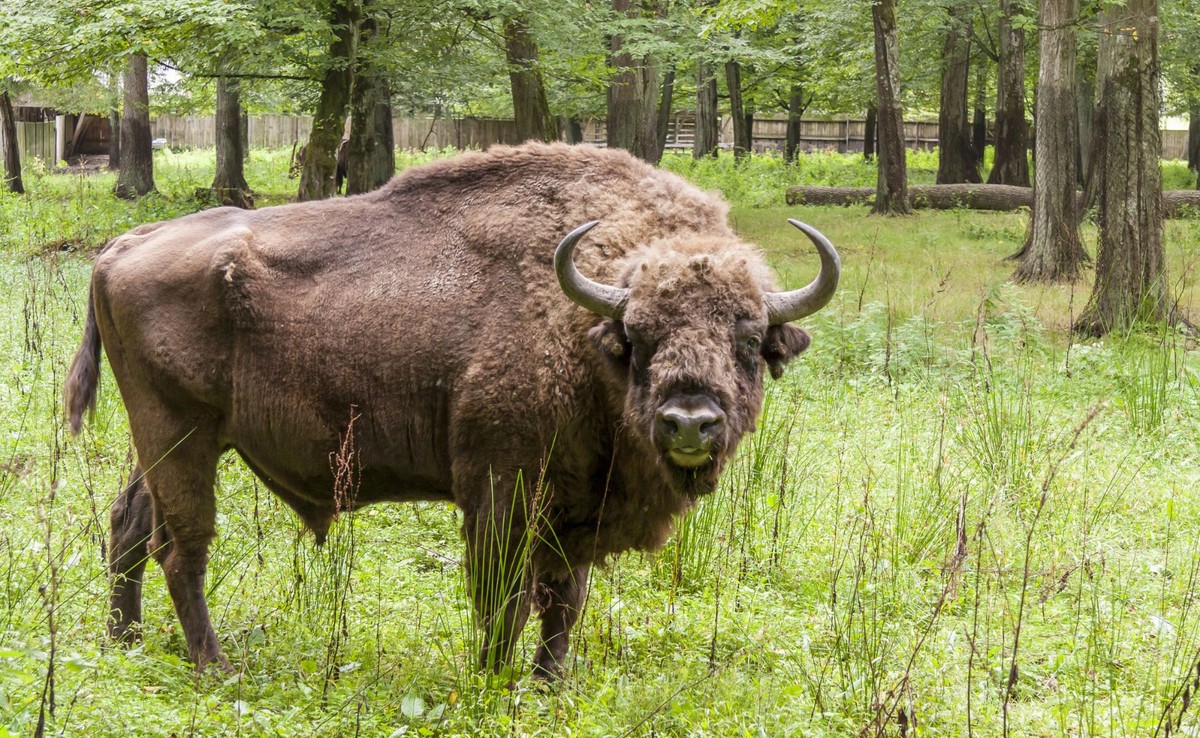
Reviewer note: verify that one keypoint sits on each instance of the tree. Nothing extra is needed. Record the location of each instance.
(317, 175)
(708, 122)
(530, 107)
(632, 94)
(743, 134)
(1011, 166)
(956, 156)
(870, 132)
(797, 103)
(1131, 264)
(371, 154)
(891, 192)
(229, 182)
(1052, 252)
(8, 142)
(136, 177)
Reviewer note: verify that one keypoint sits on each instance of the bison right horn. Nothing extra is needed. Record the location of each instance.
(784, 307)
(601, 299)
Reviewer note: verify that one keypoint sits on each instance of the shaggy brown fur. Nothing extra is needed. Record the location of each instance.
(430, 309)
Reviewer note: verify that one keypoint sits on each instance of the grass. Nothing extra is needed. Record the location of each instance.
(953, 519)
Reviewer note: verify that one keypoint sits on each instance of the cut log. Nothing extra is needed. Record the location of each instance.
(1176, 203)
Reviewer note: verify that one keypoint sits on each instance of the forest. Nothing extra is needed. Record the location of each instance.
(964, 510)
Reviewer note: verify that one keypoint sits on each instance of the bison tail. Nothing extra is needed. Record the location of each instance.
(83, 381)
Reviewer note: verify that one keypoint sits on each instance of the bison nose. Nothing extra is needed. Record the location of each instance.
(690, 424)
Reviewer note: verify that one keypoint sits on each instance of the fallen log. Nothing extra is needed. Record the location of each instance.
(1176, 203)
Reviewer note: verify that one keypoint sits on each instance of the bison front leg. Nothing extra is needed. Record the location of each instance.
(560, 601)
(129, 536)
(497, 576)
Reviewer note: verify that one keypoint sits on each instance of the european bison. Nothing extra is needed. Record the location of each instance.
(569, 419)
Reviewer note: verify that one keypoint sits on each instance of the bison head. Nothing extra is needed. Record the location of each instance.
(690, 330)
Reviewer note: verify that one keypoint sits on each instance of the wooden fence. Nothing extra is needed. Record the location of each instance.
(35, 140)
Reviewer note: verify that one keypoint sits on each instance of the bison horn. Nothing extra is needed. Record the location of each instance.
(602, 299)
(784, 307)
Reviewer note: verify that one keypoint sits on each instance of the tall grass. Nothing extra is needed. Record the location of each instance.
(953, 520)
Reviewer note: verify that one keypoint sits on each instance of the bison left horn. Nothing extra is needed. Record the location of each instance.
(601, 299)
(784, 307)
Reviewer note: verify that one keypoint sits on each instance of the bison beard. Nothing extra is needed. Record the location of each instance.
(484, 369)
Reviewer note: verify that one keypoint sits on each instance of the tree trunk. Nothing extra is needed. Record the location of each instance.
(870, 132)
(708, 123)
(741, 133)
(1131, 264)
(632, 97)
(8, 142)
(114, 122)
(664, 109)
(979, 122)
(891, 191)
(229, 184)
(318, 175)
(136, 177)
(1052, 252)
(371, 151)
(244, 126)
(530, 107)
(1193, 140)
(574, 129)
(1011, 166)
(956, 160)
(796, 108)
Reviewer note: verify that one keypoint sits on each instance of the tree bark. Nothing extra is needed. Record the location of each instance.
(979, 122)
(371, 151)
(8, 142)
(708, 123)
(1131, 264)
(796, 106)
(229, 183)
(737, 113)
(891, 191)
(136, 177)
(632, 96)
(956, 159)
(666, 99)
(574, 129)
(1193, 140)
(531, 110)
(1085, 100)
(1052, 251)
(318, 175)
(114, 123)
(1011, 166)
(870, 132)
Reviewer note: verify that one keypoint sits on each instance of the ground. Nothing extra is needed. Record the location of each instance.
(954, 517)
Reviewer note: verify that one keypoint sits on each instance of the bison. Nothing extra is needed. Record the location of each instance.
(568, 417)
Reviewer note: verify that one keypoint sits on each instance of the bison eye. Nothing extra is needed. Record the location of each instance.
(753, 343)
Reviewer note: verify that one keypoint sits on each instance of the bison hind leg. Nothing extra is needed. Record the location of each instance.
(128, 542)
(560, 602)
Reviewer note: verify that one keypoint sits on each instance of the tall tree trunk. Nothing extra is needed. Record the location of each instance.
(136, 177)
(1085, 102)
(114, 122)
(1193, 140)
(741, 131)
(891, 191)
(8, 142)
(632, 96)
(1052, 252)
(796, 106)
(371, 151)
(1011, 166)
(956, 159)
(1131, 264)
(708, 122)
(318, 175)
(979, 121)
(244, 128)
(664, 109)
(530, 107)
(229, 183)
(574, 129)
(870, 132)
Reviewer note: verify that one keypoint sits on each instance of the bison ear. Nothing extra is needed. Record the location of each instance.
(611, 343)
(783, 343)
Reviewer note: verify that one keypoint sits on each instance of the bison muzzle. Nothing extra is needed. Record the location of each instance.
(569, 417)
